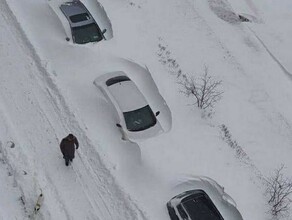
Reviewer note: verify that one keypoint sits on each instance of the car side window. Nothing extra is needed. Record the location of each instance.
(172, 213)
(182, 212)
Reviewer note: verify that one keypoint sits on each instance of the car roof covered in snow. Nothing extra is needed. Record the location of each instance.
(127, 96)
(124, 91)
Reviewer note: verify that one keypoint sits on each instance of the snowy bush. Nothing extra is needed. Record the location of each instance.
(204, 90)
(279, 189)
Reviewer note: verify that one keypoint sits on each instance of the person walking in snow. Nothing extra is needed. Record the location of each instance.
(67, 147)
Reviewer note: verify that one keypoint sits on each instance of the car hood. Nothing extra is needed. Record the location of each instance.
(100, 16)
(145, 134)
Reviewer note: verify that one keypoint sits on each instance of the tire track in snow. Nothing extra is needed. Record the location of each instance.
(9, 173)
(249, 162)
(90, 159)
(20, 172)
(21, 107)
(213, 36)
(173, 67)
(226, 4)
(166, 59)
(122, 207)
(278, 62)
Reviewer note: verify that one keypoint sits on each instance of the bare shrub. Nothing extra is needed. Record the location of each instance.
(278, 191)
(204, 90)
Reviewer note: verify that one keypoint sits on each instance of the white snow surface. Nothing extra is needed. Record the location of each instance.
(47, 91)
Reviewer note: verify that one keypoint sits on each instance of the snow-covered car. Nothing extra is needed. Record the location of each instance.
(84, 21)
(202, 198)
(136, 116)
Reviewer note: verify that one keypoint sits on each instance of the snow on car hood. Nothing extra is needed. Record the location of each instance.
(98, 13)
(147, 133)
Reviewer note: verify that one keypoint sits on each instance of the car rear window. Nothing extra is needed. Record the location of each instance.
(200, 207)
(79, 17)
(116, 79)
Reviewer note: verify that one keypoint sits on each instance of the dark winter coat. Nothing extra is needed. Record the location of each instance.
(67, 147)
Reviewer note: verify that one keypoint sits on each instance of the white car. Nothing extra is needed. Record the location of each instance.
(202, 198)
(138, 117)
(84, 21)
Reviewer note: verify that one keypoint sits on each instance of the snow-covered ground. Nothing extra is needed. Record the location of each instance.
(46, 91)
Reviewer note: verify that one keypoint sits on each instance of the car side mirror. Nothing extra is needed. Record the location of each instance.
(103, 31)
(228, 199)
(67, 39)
(157, 113)
(118, 125)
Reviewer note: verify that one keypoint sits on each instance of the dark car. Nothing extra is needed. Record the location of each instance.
(206, 200)
(82, 25)
(194, 204)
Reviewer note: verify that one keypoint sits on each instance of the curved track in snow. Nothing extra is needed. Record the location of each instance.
(37, 117)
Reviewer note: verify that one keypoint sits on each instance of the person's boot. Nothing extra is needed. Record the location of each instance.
(67, 162)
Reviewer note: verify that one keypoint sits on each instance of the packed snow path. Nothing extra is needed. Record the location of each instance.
(36, 118)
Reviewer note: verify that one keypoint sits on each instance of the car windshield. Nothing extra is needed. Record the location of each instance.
(201, 208)
(86, 33)
(140, 119)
